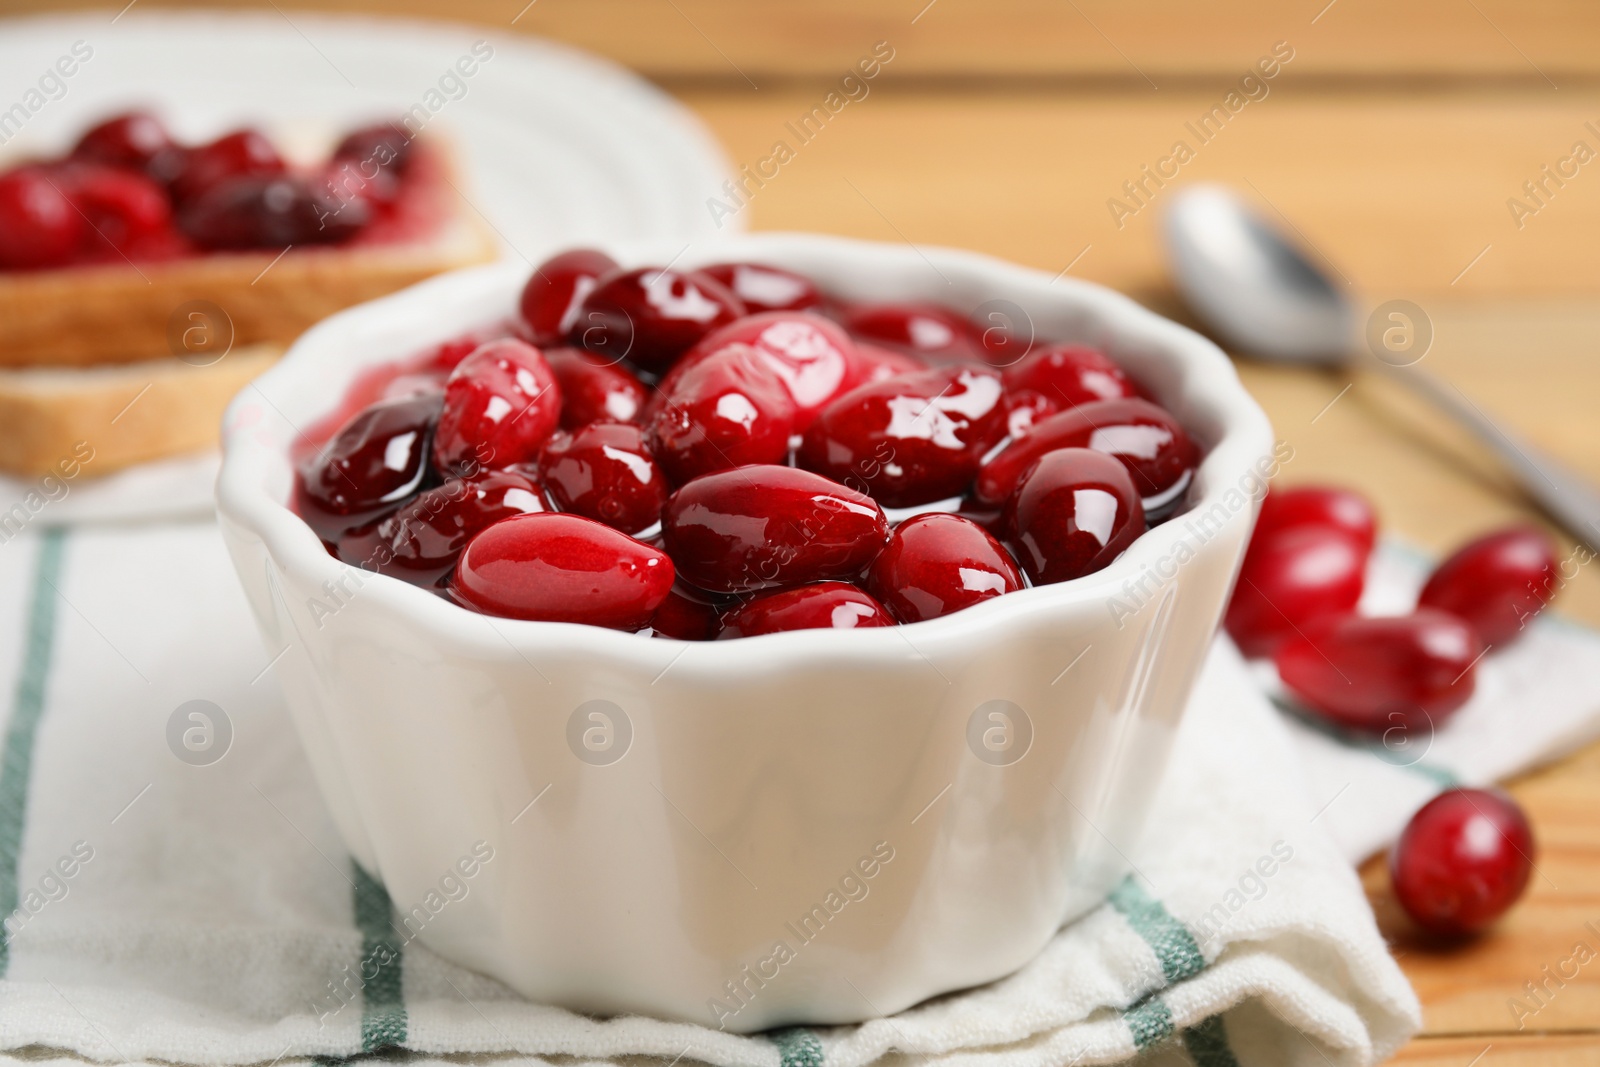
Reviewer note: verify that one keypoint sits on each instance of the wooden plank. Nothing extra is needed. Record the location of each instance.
(1164, 41)
(1501, 1050)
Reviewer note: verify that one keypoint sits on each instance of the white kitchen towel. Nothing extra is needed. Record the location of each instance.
(167, 904)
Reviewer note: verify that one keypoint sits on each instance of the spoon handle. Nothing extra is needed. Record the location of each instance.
(1566, 496)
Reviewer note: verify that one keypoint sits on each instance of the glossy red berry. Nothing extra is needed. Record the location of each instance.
(651, 316)
(910, 440)
(1073, 513)
(562, 568)
(818, 606)
(762, 527)
(375, 462)
(131, 141)
(421, 541)
(1057, 377)
(1288, 581)
(500, 405)
(39, 227)
(594, 390)
(938, 563)
(813, 358)
(604, 471)
(1497, 583)
(271, 212)
(878, 363)
(762, 288)
(1374, 674)
(1462, 861)
(128, 214)
(727, 410)
(243, 153)
(555, 292)
(687, 615)
(1316, 505)
(1157, 452)
(932, 331)
(384, 146)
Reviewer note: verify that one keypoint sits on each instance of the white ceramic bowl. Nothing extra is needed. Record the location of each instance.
(809, 827)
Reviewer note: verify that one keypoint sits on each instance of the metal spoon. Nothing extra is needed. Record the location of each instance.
(1263, 295)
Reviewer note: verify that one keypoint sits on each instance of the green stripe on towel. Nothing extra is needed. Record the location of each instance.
(383, 1010)
(1207, 1043)
(1173, 944)
(1149, 1021)
(27, 707)
(797, 1047)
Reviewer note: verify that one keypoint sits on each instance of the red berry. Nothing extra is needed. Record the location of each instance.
(813, 358)
(933, 331)
(593, 390)
(376, 460)
(39, 227)
(243, 153)
(604, 471)
(765, 288)
(131, 141)
(911, 440)
(1462, 861)
(271, 212)
(687, 615)
(1074, 512)
(562, 568)
(556, 291)
(651, 315)
(727, 410)
(381, 147)
(878, 363)
(1312, 505)
(127, 212)
(1371, 674)
(420, 542)
(1148, 441)
(500, 405)
(1290, 580)
(1496, 583)
(1058, 377)
(762, 527)
(938, 563)
(818, 606)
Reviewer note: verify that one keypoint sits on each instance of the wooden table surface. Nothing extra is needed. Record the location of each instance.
(1393, 138)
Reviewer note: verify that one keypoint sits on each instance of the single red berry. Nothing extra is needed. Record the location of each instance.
(938, 563)
(376, 461)
(1317, 505)
(555, 293)
(39, 227)
(762, 288)
(818, 606)
(604, 471)
(813, 358)
(1462, 861)
(1149, 442)
(762, 527)
(932, 331)
(243, 153)
(128, 214)
(1497, 583)
(383, 146)
(1073, 513)
(500, 405)
(1290, 580)
(1057, 377)
(260, 211)
(1409, 672)
(726, 411)
(562, 568)
(911, 440)
(131, 141)
(593, 390)
(687, 614)
(421, 541)
(651, 316)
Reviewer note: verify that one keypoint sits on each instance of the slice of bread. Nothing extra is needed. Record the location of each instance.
(104, 418)
(121, 312)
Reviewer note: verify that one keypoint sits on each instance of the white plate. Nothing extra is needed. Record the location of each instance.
(559, 147)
